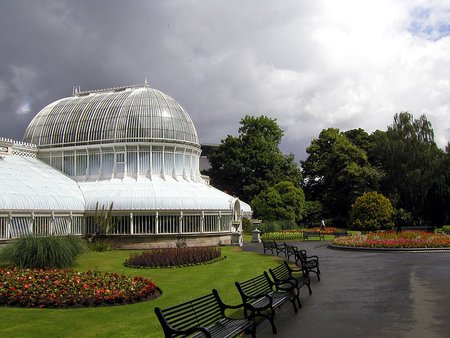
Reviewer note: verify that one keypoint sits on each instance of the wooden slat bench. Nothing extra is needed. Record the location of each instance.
(273, 247)
(313, 234)
(262, 296)
(284, 273)
(203, 317)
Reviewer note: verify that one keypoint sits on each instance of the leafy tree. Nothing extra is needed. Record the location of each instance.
(437, 203)
(312, 214)
(413, 166)
(360, 138)
(372, 211)
(245, 165)
(283, 201)
(336, 171)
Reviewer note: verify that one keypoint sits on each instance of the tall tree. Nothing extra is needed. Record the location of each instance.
(245, 165)
(336, 172)
(408, 155)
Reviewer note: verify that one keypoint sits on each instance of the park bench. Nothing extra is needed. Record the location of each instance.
(203, 317)
(284, 273)
(273, 247)
(262, 296)
(289, 250)
(313, 234)
(310, 263)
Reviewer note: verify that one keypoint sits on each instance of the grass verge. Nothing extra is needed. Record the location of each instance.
(136, 320)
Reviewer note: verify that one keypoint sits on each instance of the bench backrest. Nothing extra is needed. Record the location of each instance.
(300, 255)
(254, 286)
(202, 311)
(312, 233)
(281, 272)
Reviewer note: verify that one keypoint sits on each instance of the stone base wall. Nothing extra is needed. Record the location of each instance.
(168, 241)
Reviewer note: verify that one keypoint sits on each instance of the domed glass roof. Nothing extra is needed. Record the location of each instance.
(126, 114)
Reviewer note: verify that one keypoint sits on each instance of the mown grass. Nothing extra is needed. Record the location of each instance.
(136, 320)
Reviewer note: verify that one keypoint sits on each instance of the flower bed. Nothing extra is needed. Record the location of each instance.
(293, 234)
(392, 239)
(326, 231)
(56, 288)
(172, 257)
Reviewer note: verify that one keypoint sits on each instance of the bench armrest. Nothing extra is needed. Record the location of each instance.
(313, 258)
(282, 285)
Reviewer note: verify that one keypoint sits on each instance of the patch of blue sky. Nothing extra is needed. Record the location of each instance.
(430, 24)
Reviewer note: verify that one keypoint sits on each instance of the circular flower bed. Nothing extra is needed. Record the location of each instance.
(57, 288)
(392, 239)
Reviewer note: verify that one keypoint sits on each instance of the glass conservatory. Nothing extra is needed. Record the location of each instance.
(133, 150)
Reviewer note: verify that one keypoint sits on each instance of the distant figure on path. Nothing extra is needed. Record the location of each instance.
(322, 227)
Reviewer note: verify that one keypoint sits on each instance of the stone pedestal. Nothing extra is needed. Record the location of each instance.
(236, 238)
(256, 236)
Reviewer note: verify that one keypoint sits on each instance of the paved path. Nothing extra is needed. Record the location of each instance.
(369, 294)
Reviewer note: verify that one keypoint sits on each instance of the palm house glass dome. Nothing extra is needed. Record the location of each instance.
(121, 132)
(132, 151)
(125, 114)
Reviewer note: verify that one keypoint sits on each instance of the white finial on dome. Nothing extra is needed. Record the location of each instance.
(145, 82)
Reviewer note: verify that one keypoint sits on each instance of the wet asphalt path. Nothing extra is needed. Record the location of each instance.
(369, 294)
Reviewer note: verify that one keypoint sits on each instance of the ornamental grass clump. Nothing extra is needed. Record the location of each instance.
(43, 252)
(170, 257)
(54, 288)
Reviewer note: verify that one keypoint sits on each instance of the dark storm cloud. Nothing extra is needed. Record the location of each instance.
(309, 64)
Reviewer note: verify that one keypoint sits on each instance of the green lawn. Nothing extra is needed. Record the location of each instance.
(136, 320)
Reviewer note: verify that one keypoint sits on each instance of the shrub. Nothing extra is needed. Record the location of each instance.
(66, 288)
(168, 257)
(272, 226)
(43, 252)
(371, 211)
(282, 201)
(403, 218)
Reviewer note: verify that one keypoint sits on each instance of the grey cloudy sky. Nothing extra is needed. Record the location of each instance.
(309, 64)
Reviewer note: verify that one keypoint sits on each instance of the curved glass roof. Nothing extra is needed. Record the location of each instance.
(155, 194)
(126, 114)
(29, 184)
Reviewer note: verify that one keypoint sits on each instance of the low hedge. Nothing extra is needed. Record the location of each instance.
(172, 257)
